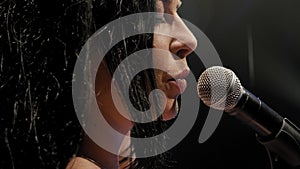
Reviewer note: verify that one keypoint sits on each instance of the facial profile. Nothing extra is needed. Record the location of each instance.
(172, 81)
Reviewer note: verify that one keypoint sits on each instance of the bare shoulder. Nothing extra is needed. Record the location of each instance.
(81, 163)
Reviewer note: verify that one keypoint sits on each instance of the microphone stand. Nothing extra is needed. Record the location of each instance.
(285, 144)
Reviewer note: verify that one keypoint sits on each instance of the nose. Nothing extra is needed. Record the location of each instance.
(184, 42)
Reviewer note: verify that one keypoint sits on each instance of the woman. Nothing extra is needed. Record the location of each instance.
(40, 41)
(171, 82)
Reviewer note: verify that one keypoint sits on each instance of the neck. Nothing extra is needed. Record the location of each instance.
(101, 156)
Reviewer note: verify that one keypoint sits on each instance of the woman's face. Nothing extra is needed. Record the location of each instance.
(172, 80)
(171, 83)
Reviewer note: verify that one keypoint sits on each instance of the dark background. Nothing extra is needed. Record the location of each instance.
(257, 39)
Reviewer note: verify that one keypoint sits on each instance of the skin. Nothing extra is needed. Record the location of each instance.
(175, 68)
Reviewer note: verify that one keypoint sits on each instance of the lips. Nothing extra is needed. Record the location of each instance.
(178, 81)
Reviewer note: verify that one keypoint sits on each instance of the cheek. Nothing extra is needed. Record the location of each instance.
(161, 42)
(162, 59)
(159, 77)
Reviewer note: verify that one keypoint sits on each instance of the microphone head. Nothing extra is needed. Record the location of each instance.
(219, 88)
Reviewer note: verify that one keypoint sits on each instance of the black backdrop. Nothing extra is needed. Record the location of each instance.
(259, 41)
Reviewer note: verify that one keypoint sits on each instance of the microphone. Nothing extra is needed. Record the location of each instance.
(219, 88)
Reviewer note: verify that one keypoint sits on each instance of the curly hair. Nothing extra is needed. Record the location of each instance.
(40, 42)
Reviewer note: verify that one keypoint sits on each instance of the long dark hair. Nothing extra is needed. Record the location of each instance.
(40, 42)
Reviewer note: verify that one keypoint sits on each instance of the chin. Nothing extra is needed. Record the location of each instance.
(171, 111)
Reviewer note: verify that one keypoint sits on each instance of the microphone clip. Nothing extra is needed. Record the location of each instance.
(285, 144)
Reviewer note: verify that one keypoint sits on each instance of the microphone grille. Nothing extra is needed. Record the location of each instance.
(219, 88)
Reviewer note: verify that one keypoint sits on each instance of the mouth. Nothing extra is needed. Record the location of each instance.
(178, 81)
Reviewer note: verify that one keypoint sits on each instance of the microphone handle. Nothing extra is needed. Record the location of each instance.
(256, 114)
